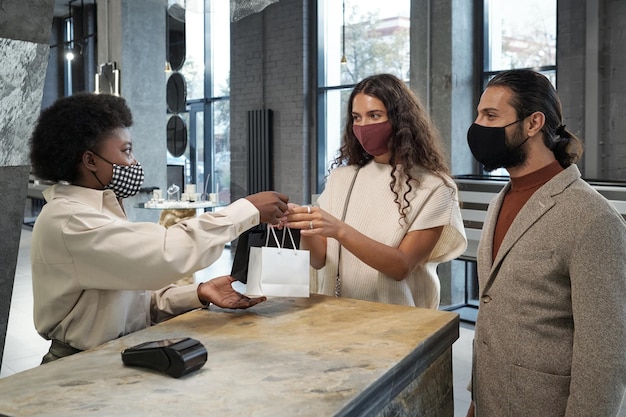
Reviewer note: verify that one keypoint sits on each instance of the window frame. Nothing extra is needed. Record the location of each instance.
(323, 89)
(485, 75)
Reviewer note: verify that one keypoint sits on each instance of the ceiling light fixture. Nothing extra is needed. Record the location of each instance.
(73, 49)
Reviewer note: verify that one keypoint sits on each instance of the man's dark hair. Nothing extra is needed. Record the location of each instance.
(533, 92)
(69, 127)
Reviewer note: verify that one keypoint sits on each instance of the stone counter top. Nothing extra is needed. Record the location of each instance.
(318, 356)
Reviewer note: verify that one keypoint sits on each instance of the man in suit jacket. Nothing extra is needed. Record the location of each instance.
(550, 336)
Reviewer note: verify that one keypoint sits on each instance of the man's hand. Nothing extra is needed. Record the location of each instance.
(220, 292)
(271, 205)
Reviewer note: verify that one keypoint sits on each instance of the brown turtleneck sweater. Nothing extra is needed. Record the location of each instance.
(522, 188)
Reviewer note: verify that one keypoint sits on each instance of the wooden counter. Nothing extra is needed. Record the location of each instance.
(318, 356)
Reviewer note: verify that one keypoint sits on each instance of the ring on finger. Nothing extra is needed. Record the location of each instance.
(311, 224)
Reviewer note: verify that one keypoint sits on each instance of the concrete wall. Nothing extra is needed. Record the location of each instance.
(591, 55)
(24, 35)
(270, 66)
(613, 89)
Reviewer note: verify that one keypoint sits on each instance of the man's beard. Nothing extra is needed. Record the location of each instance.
(516, 154)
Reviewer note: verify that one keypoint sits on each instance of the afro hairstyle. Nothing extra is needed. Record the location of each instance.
(71, 126)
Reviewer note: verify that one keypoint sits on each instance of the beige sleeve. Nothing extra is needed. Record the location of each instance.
(173, 300)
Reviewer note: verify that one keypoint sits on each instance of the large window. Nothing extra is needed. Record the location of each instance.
(220, 97)
(357, 39)
(519, 34)
(207, 71)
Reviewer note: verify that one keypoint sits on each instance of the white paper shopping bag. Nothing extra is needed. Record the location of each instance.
(278, 272)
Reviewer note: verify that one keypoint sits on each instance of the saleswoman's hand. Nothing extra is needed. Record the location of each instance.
(272, 206)
(220, 292)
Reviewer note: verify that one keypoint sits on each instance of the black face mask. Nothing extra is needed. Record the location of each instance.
(488, 145)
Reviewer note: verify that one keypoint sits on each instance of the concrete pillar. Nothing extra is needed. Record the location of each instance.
(442, 75)
(442, 71)
(591, 84)
(570, 58)
(132, 34)
(24, 34)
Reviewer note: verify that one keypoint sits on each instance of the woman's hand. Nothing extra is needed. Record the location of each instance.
(301, 217)
(395, 262)
(220, 292)
(313, 221)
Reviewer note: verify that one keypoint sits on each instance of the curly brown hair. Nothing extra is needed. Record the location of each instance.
(414, 143)
(69, 127)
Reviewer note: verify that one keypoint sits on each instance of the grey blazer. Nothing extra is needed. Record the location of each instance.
(550, 336)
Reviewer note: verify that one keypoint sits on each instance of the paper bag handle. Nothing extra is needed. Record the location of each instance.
(282, 244)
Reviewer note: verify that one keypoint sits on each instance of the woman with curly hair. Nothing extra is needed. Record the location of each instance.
(389, 212)
(96, 275)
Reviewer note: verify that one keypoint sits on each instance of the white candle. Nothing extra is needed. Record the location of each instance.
(190, 188)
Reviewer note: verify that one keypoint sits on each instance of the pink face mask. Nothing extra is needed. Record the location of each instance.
(374, 138)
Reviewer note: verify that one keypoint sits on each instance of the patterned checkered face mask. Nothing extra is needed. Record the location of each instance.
(126, 180)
